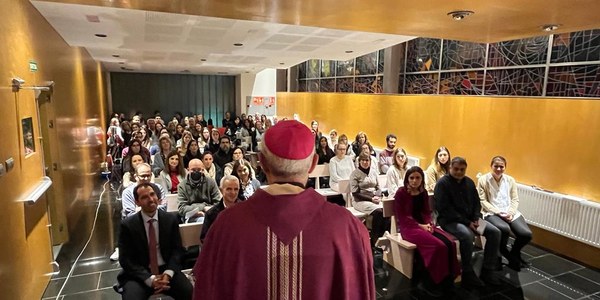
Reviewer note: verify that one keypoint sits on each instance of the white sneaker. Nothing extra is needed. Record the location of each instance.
(115, 255)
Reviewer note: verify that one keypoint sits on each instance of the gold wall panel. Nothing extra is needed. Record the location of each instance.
(551, 143)
(77, 102)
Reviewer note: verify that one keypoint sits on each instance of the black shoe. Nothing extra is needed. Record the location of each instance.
(430, 291)
(489, 277)
(524, 263)
(514, 263)
(469, 279)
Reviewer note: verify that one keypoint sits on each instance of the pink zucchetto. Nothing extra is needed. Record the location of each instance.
(290, 140)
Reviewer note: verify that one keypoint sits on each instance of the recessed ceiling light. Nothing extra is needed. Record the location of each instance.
(185, 71)
(238, 44)
(116, 55)
(92, 18)
(121, 62)
(349, 51)
(458, 15)
(101, 35)
(282, 63)
(550, 27)
(203, 59)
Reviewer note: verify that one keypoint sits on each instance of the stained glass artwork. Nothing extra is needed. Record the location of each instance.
(462, 83)
(423, 55)
(366, 64)
(345, 68)
(327, 85)
(401, 84)
(313, 68)
(344, 85)
(458, 55)
(523, 52)
(302, 86)
(327, 68)
(421, 83)
(312, 85)
(380, 61)
(368, 85)
(302, 70)
(515, 82)
(574, 81)
(576, 46)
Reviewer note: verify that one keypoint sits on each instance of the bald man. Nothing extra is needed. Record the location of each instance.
(196, 192)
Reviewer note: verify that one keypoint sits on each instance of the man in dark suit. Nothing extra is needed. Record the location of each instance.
(151, 251)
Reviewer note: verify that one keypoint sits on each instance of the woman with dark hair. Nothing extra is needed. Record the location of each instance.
(395, 174)
(126, 132)
(367, 195)
(179, 129)
(325, 153)
(135, 147)
(499, 204)
(248, 184)
(314, 127)
(211, 169)
(129, 176)
(193, 151)
(215, 136)
(173, 172)
(438, 168)
(436, 248)
(359, 140)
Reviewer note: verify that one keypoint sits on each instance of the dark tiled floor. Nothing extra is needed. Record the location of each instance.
(550, 277)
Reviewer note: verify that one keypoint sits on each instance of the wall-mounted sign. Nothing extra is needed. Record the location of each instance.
(33, 66)
(263, 100)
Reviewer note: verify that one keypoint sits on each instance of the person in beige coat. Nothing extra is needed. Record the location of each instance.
(437, 169)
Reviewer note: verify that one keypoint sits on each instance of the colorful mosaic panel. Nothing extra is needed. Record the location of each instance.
(302, 86)
(462, 83)
(574, 81)
(327, 68)
(530, 51)
(368, 85)
(327, 85)
(423, 55)
(457, 55)
(344, 85)
(421, 84)
(312, 85)
(366, 64)
(515, 82)
(345, 68)
(314, 68)
(302, 70)
(576, 46)
(380, 61)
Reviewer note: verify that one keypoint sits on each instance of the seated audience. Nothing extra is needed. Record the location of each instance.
(204, 140)
(437, 169)
(367, 195)
(314, 127)
(129, 176)
(182, 144)
(211, 170)
(151, 251)
(158, 163)
(230, 188)
(196, 192)
(248, 184)
(143, 174)
(213, 145)
(173, 173)
(436, 248)
(386, 157)
(225, 154)
(325, 153)
(340, 166)
(192, 152)
(135, 147)
(349, 152)
(395, 174)
(360, 139)
(459, 213)
(500, 203)
(333, 138)
(179, 129)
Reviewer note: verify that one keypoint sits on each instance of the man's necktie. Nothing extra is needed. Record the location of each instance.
(152, 247)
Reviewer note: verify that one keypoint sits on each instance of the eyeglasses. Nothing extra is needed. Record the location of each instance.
(144, 176)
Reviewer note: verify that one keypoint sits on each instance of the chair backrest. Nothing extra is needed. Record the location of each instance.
(388, 211)
(172, 204)
(221, 130)
(190, 234)
(319, 171)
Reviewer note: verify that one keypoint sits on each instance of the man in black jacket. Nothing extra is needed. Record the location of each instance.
(224, 155)
(151, 251)
(459, 213)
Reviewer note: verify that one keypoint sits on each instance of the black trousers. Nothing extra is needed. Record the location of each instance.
(518, 226)
(181, 288)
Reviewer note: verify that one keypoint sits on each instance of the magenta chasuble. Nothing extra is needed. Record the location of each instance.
(285, 247)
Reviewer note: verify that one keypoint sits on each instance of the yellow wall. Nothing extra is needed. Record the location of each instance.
(551, 143)
(78, 97)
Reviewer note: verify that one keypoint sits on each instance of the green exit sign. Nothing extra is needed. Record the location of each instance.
(33, 66)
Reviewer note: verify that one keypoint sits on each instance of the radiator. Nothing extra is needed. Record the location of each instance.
(570, 216)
